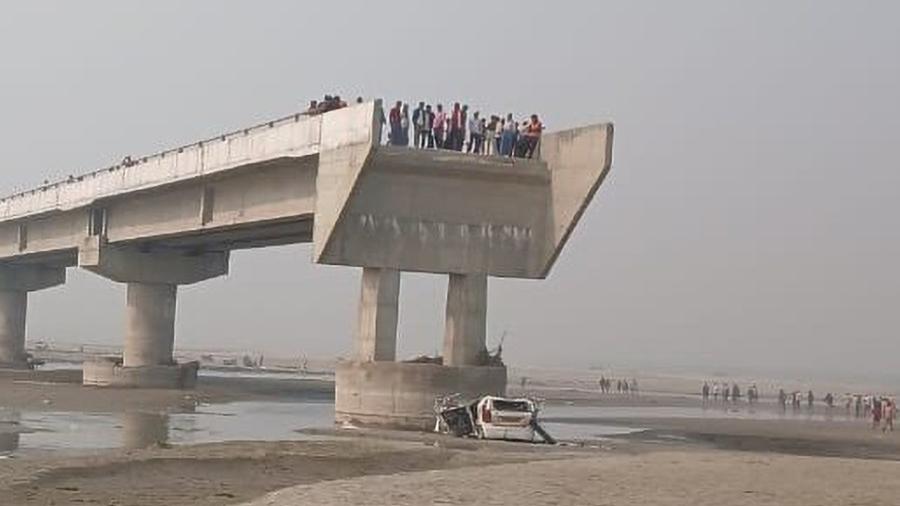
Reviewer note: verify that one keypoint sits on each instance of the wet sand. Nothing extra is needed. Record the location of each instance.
(660, 478)
(226, 473)
(677, 460)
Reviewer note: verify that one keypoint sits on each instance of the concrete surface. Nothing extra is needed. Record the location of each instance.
(466, 320)
(150, 325)
(112, 374)
(376, 338)
(402, 395)
(12, 328)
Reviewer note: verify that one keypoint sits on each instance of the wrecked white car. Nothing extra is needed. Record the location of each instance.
(490, 417)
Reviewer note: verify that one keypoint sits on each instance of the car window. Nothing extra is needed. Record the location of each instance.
(501, 405)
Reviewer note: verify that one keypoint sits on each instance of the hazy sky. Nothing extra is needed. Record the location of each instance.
(750, 218)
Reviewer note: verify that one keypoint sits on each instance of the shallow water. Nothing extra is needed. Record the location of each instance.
(27, 432)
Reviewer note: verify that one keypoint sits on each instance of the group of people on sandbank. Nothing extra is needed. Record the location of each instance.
(623, 386)
(727, 393)
(880, 409)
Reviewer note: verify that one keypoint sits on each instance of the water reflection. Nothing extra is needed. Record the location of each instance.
(9, 443)
(142, 430)
(9, 432)
(39, 431)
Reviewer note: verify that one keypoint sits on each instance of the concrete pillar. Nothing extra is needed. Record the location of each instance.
(150, 324)
(13, 306)
(376, 335)
(464, 335)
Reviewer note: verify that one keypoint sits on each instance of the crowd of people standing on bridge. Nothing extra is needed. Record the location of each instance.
(459, 129)
(456, 129)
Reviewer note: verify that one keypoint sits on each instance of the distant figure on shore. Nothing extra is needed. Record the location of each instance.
(705, 391)
(735, 393)
(876, 413)
(715, 390)
(810, 398)
(829, 400)
(889, 412)
(726, 392)
(634, 386)
(523, 381)
(782, 399)
(752, 394)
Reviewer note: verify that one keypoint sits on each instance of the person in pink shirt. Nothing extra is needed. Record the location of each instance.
(439, 127)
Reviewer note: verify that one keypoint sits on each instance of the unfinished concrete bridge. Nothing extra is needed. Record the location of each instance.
(172, 218)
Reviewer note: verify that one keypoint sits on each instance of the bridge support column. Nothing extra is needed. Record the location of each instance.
(373, 389)
(466, 320)
(376, 337)
(15, 283)
(150, 325)
(13, 306)
(152, 279)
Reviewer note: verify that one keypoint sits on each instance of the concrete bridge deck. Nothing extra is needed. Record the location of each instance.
(172, 218)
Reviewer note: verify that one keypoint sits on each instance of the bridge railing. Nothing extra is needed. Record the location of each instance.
(50, 194)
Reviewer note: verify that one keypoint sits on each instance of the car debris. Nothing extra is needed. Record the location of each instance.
(490, 417)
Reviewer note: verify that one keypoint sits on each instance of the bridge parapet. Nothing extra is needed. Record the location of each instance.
(293, 136)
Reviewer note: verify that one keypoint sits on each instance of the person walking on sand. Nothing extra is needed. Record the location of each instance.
(889, 411)
(810, 398)
(715, 390)
(705, 392)
(876, 413)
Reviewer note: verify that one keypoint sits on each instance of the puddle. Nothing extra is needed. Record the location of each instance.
(22, 433)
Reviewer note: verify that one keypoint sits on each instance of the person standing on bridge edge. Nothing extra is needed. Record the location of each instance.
(457, 120)
(475, 134)
(438, 128)
(418, 120)
(429, 123)
(508, 137)
(462, 127)
(533, 134)
(404, 125)
(394, 121)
